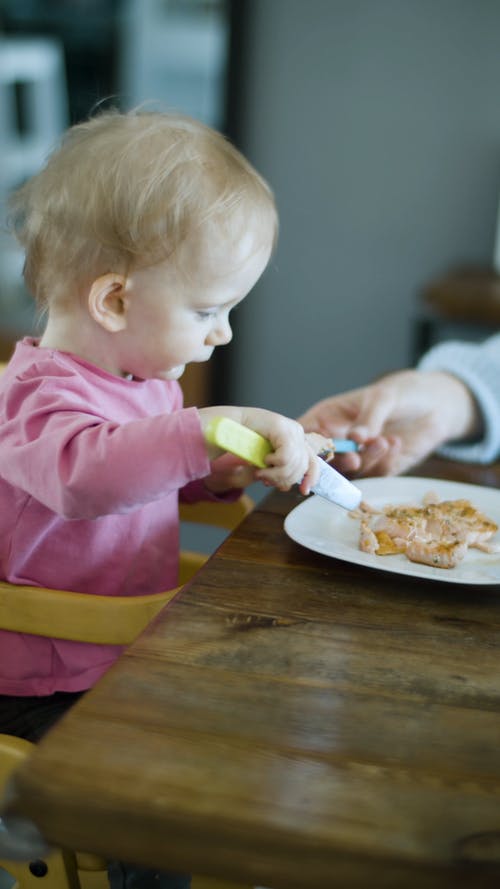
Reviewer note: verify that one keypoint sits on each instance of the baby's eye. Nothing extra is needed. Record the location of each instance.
(203, 314)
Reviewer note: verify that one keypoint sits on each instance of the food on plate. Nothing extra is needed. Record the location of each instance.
(436, 533)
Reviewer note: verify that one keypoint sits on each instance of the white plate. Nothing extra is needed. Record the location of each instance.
(328, 529)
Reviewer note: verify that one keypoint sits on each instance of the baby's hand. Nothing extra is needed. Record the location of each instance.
(292, 459)
(291, 445)
(229, 472)
(323, 447)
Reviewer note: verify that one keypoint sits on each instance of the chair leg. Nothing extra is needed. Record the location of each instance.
(58, 868)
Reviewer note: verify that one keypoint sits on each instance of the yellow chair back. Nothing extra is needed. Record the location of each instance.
(110, 620)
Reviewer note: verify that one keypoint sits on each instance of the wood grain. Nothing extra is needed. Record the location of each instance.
(294, 721)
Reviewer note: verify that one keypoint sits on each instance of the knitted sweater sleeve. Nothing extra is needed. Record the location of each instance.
(478, 366)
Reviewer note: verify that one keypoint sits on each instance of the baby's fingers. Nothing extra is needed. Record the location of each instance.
(311, 475)
(321, 445)
(286, 466)
(282, 477)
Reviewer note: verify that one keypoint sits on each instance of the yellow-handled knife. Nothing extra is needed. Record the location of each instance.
(252, 447)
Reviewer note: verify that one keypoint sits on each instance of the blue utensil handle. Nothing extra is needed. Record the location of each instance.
(344, 445)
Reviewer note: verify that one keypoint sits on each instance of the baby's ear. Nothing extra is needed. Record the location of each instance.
(107, 302)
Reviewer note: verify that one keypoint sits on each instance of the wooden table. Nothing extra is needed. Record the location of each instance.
(294, 721)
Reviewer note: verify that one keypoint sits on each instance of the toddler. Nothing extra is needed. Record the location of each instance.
(141, 234)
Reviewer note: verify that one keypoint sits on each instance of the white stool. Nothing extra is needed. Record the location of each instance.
(174, 57)
(33, 104)
(33, 114)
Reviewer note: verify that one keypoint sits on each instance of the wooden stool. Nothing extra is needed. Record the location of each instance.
(467, 296)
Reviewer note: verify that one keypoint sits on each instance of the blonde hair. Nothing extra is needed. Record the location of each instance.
(124, 191)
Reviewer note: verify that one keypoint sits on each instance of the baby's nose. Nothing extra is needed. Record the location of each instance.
(220, 334)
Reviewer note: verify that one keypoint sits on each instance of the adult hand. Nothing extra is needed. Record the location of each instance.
(398, 421)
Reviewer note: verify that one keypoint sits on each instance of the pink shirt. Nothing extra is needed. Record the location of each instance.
(91, 467)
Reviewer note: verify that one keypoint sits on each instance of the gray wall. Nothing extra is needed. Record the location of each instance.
(377, 122)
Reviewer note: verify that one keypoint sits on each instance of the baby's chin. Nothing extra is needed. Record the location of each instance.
(174, 373)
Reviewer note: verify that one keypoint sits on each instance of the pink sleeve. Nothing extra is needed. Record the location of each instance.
(81, 466)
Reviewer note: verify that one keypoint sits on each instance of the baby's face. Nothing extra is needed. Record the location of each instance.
(178, 312)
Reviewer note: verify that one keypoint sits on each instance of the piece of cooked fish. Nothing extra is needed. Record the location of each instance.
(437, 533)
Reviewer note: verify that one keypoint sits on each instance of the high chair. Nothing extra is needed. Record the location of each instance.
(99, 619)
(112, 620)
(102, 620)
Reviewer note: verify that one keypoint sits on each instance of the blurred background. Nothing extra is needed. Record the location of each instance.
(377, 123)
